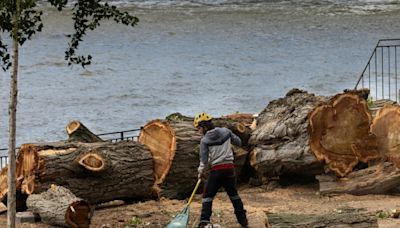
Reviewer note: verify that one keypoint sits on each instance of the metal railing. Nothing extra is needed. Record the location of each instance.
(129, 135)
(380, 75)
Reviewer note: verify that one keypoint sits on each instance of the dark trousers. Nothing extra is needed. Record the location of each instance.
(222, 178)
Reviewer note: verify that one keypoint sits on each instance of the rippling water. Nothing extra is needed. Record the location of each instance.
(192, 56)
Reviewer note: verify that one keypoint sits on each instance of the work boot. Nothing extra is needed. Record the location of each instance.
(205, 225)
(242, 219)
(206, 211)
(240, 212)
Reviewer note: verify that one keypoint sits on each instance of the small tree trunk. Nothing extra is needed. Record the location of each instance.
(77, 132)
(58, 206)
(11, 200)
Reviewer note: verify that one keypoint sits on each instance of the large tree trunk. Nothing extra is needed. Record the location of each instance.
(60, 207)
(77, 132)
(175, 149)
(340, 134)
(348, 217)
(96, 172)
(280, 139)
(238, 123)
(386, 128)
(378, 179)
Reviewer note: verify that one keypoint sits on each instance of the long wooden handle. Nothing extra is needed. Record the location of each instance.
(194, 192)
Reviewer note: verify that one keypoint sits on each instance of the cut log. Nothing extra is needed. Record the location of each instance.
(58, 206)
(281, 138)
(175, 149)
(77, 132)
(340, 134)
(377, 179)
(386, 127)
(346, 217)
(97, 172)
(238, 123)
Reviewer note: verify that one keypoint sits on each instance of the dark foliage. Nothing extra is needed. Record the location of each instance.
(87, 15)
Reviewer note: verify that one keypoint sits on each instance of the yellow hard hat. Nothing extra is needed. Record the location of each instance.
(200, 118)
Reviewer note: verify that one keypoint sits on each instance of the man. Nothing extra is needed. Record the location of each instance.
(216, 151)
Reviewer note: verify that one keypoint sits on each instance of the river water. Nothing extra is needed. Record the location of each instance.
(191, 56)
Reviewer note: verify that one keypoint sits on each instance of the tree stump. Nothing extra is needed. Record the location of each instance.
(377, 179)
(77, 132)
(340, 134)
(97, 172)
(60, 207)
(280, 139)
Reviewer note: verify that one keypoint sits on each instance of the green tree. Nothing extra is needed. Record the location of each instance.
(21, 19)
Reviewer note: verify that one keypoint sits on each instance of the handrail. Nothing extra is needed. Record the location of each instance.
(383, 69)
(123, 135)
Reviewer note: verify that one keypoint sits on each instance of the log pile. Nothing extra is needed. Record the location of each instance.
(335, 139)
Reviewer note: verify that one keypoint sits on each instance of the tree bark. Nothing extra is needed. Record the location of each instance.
(96, 172)
(342, 218)
(77, 132)
(60, 207)
(340, 134)
(378, 179)
(175, 149)
(238, 123)
(280, 139)
(12, 111)
(386, 127)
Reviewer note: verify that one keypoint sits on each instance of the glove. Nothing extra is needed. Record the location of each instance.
(200, 171)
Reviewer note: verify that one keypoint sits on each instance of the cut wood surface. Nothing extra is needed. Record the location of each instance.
(60, 207)
(386, 127)
(174, 146)
(346, 217)
(77, 132)
(97, 172)
(340, 134)
(175, 149)
(280, 139)
(378, 179)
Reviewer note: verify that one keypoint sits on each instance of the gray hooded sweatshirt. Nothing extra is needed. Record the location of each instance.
(215, 147)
